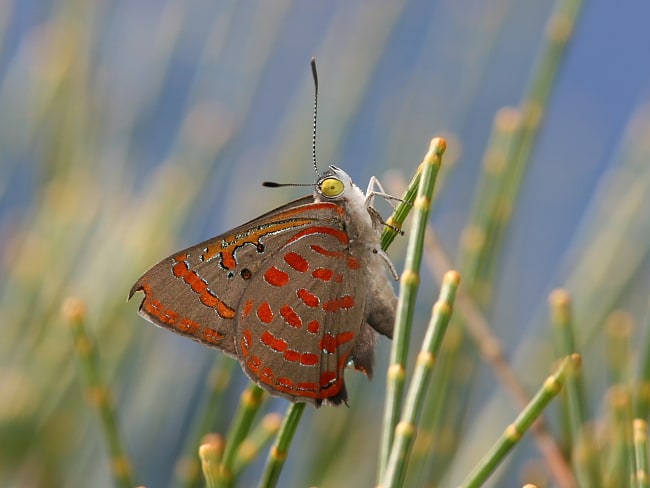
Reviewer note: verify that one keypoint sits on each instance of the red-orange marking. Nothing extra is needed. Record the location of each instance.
(328, 343)
(327, 377)
(152, 306)
(248, 307)
(200, 287)
(156, 308)
(254, 364)
(313, 326)
(321, 250)
(308, 389)
(267, 376)
(291, 355)
(353, 263)
(267, 338)
(279, 345)
(331, 305)
(343, 361)
(296, 261)
(273, 342)
(309, 359)
(339, 234)
(347, 301)
(225, 311)
(290, 316)
(331, 384)
(285, 385)
(313, 206)
(170, 316)
(179, 269)
(276, 277)
(211, 252)
(149, 301)
(191, 278)
(335, 304)
(344, 337)
(187, 326)
(332, 390)
(284, 382)
(228, 260)
(323, 274)
(245, 342)
(308, 298)
(209, 299)
(338, 278)
(264, 313)
(211, 336)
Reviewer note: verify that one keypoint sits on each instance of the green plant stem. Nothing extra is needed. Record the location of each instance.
(97, 392)
(493, 223)
(487, 207)
(250, 448)
(620, 463)
(395, 221)
(406, 429)
(406, 303)
(618, 329)
(642, 404)
(219, 379)
(515, 431)
(559, 28)
(489, 345)
(278, 453)
(249, 405)
(581, 442)
(210, 454)
(640, 434)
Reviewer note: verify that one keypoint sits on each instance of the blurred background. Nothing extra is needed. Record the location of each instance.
(132, 129)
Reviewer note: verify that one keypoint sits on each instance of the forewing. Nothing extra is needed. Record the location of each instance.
(301, 315)
(195, 292)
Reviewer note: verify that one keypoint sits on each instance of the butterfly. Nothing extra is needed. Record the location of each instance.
(296, 295)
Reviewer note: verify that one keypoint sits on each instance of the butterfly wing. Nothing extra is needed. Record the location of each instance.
(303, 312)
(195, 292)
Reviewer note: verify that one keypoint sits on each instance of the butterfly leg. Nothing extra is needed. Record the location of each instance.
(374, 214)
(375, 189)
(388, 262)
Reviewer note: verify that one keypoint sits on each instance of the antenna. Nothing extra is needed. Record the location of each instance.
(314, 74)
(273, 184)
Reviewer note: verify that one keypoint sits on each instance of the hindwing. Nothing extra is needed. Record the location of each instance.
(301, 315)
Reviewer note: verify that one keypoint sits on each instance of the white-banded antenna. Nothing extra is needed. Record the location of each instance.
(314, 74)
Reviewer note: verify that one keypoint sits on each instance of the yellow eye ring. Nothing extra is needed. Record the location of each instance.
(331, 187)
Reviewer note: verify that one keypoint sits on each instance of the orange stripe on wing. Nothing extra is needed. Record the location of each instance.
(338, 233)
(229, 244)
(181, 270)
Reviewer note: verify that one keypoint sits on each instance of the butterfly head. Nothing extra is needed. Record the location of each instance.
(334, 185)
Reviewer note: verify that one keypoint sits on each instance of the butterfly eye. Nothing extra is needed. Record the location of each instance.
(331, 187)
